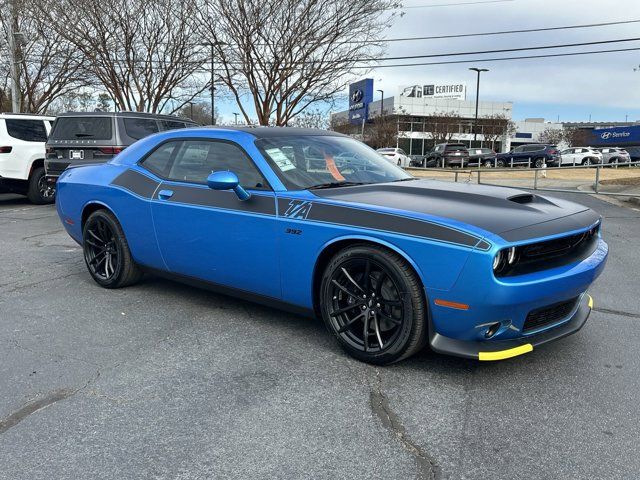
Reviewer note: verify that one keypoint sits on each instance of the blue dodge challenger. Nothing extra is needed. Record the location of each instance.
(319, 223)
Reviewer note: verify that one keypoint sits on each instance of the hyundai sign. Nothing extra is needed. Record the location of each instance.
(360, 96)
(616, 136)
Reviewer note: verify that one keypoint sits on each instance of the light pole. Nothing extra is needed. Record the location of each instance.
(213, 101)
(475, 123)
(381, 102)
(236, 115)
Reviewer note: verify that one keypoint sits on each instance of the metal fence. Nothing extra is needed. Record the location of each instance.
(538, 177)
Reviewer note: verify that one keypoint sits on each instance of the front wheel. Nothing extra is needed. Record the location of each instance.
(587, 161)
(106, 251)
(39, 191)
(372, 302)
(539, 162)
(500, 163)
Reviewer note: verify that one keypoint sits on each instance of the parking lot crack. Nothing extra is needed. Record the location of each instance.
(610, 311)
(34, 406)
(427, 466)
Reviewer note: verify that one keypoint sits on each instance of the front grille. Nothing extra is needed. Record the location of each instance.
(552, 253)
(548, 315)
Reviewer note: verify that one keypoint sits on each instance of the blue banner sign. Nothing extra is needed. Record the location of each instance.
(616, 136)
(360, 96)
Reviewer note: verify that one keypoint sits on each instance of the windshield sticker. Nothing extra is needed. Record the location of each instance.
(333, 169)
(280, 159)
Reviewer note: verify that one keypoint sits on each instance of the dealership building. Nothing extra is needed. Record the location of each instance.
(417, 110)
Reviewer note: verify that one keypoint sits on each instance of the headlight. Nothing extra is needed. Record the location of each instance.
(504, 258)
(498, 261)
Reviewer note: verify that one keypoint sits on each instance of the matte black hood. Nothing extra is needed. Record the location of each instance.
(511, 213)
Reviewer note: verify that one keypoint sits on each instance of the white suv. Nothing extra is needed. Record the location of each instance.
(580, 156)
(22, 152)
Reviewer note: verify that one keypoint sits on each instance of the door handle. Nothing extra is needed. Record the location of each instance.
(165, 194)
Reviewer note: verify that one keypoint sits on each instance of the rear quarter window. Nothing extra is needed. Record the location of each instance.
(138, 128)
(26, 130)
(79, 128)
(172, 124)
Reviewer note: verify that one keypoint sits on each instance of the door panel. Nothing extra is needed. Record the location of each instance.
(212, 235)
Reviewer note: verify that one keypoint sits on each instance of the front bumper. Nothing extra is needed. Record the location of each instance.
(503, 349)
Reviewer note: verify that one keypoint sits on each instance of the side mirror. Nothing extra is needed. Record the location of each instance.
(226, 180)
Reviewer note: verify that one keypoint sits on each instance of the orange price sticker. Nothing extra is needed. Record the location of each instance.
(333, 169)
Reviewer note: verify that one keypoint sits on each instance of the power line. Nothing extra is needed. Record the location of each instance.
(505, 32)
(404, 57)
(499, 59)
(506, 50)
(435, 5)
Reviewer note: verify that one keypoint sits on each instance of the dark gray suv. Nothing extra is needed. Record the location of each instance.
(96, 137)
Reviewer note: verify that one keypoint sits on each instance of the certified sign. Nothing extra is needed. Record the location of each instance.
(457, 91)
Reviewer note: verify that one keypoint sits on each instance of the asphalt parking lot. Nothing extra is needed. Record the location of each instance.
(166, 381)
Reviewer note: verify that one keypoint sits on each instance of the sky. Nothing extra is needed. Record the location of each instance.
(604, 87)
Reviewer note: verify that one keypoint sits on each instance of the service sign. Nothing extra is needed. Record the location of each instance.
(360, 96)
(616, 136)
(456, 91)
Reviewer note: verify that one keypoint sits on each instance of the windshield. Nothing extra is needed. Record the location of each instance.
(304, 162)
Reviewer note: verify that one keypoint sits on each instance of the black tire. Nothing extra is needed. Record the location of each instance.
(538, 162)
(399, 163)
(588, 161)
(38, 192)
(106, 252)
(500, 163)
(614, 161)
(488, 164)
(392, 311)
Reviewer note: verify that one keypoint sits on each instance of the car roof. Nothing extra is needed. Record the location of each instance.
(126, 114)
(26, 116)
(270, 132)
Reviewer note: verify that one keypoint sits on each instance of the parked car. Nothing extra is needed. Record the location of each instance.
(535, 155)
(449, 155)
(391, 263)
(397, 156)
(614, 155)
(482, 156)
(581, 156)
(423, 161)
(22, 152)
(95, 137)
(634, 153)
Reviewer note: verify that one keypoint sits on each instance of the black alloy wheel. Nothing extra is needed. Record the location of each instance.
(39, 191)
(500, 164)
(106, 252)
(371, 301)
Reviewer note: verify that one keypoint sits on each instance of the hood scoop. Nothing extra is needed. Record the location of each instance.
(522, 198)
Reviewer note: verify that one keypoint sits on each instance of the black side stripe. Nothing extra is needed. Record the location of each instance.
(136, 183)
(260, 204)
(356, 217)
(145, 187)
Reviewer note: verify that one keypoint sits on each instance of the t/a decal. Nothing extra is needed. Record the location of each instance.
(298, 209)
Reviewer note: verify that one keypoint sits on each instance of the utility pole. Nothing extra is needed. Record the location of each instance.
(236, 115)
(213, 45)
(13, 58)
(475, 123)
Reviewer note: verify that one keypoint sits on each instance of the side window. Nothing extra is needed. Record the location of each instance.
(197, 159)
(161, 160)
(27, 130)
(171, 124)
(140, 127)
(518, 149)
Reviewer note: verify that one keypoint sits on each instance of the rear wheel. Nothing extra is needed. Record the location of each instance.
(372, 302)
(106, 251)
(500, 163)
(614, 161)
(488, 164)
(587, 161)
(539, 162)
(39, 192)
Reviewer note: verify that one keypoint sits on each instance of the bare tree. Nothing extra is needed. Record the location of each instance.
(143, 52)
(382, 132)
(552, 135)
(314, 118)
(494, 127)
(577, 137)
(442, 127)
(50, 66)
(199, 112)
(288, 55)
